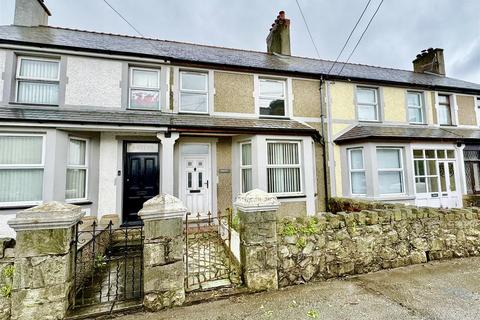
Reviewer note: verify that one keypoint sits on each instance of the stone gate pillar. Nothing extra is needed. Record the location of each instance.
(257, 212)
(43, 260)
(163, 272)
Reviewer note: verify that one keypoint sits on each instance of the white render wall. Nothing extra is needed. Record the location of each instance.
(93, 82)
(107, 188)
(3, 56)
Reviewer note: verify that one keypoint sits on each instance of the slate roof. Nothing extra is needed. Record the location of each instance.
(378, 132)
(193, 53)
(152, 118)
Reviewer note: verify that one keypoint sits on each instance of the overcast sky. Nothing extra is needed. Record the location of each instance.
(399, 31)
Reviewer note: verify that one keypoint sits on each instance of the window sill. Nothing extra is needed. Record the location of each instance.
(297, 196)
(273, 117)
(33, 104)
(18, 206)
(370, 121)
(79, 202)
(194, 113)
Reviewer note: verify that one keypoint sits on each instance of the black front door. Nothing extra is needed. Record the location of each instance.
(140, 183)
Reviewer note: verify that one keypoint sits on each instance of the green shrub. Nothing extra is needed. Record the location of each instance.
(6, 291)
(289, 229)
(9, 271)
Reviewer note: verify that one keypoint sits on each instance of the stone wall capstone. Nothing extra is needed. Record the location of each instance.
(332, 245)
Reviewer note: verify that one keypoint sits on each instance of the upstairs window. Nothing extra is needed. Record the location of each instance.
(144, 88)
(37, 80)
(21, 168)
(444, 110)
(272, 97)
(283, 167)
(193, 92)
(76, 169)
(416, 110)
(367, 104)
(246, 166)
(358, 182)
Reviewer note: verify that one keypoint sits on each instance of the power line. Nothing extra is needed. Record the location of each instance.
(124, 19)
(361, 37)
(308, 29)
(349, 36)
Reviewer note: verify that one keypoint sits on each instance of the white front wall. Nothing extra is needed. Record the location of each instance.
(93, 82)
(108, 179)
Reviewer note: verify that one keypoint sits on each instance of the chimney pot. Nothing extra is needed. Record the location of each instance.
(31, 13)
(278, 40)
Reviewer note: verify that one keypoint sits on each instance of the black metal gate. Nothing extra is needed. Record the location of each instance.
(209, 261)
(107, 265)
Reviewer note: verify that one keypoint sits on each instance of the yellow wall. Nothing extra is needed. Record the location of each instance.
(338, 171)
(224, 161)
(292, 209)
(394, 104)
(342, 100)
(306, 95)
(234, 92)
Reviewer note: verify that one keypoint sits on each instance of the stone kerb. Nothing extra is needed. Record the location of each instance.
(43, 261)
(163, 252)
(257, 211)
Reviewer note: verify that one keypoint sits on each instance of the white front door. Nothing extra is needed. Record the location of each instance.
(196, 184)
(448, 186)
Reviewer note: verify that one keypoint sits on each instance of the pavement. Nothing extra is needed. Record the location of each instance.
(436, 290)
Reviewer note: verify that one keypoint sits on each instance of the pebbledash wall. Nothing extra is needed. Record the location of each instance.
(369, 236)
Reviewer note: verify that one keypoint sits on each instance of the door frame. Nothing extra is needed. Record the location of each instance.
(123, 176)
(212, 177)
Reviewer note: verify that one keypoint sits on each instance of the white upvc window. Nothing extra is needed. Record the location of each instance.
(356, 166)
(22, 159)
(416, 109)
(284, 167)
(478, 110)
(272, 97)
(246, 166)
(444, 109)
(144, 89)
(367, 104)
(37, 80)
(390, 171)
(193, 92)
(77, 169)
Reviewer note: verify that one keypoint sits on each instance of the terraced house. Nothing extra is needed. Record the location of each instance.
(108, 121)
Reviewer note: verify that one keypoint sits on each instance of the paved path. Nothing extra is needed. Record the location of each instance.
(437, 290)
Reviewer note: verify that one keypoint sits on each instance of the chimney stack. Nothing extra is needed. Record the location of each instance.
(31, 13)
(278, 40)
(430, 61)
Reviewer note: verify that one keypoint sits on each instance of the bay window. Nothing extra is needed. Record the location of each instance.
(358, 185)
(193, 92)
(283, 167)
(21, 168)
(367, 104)
(37, 80)
(144, 91)
(76, 169)
(416, 110)
(246, 167)
(272, 94)
(390, 170)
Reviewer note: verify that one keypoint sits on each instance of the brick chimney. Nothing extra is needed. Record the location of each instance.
(278, 40)
(31, 13)
(430, 61)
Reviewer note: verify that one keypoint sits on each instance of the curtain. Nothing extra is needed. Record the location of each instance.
(37, 92)
(21, 185)
(21, 150)
(39, 69)
(75, 188)
(286, 179)
(76, 152)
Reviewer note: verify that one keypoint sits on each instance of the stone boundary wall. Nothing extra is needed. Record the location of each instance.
(7, 253)
(334, 245)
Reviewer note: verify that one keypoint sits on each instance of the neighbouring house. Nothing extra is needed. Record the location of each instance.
(108, 121)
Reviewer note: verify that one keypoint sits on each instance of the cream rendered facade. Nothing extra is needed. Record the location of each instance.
(341, 101)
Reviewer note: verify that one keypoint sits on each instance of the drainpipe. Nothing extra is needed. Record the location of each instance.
(324, 148)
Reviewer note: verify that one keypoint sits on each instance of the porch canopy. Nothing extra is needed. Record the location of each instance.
(173, 122)
(372, 132)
